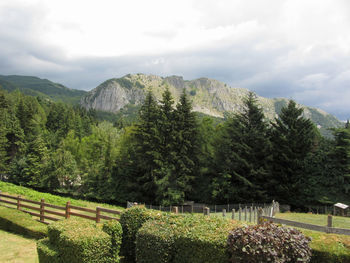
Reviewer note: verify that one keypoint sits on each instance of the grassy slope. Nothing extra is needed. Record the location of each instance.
(15, 248)
(320, 220)
(49, 198)
(336, 244)
(34, 86)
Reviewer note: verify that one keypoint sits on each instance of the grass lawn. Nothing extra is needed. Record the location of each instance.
(321, 220)
(17, 249)
(27, 193)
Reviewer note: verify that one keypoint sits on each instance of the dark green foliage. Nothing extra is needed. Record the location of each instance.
(77, 240)
(183, 239)
(147, 155)
(114, 230)
(34, 86)
(21, 223)
(125, 83)
(132, 220)
(243, 156)
(340, 156)
(293, 138)
(268, 243)
(47, 253)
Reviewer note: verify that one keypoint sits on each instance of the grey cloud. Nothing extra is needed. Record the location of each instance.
(316, 78)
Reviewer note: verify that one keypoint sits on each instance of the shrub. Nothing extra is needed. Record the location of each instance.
(191, 238)
(114, 230)
(21, 223)
(77, 240)
(47, 253)
(131, 220)
(268, 243)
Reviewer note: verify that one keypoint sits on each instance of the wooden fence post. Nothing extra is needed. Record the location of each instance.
(330, 221)
(240, 214)
(175, 210)
(260, 213)
(18, 202)
(223, 212)
(67, 215)
(250, 214)
(206, 211)
(98, 215)
(233, 213)
(42, 210)
(245, 213)
(254, 214)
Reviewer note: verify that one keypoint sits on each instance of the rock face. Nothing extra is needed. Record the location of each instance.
(111, 96)
(209, 96)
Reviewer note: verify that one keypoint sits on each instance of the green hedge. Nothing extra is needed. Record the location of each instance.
(47, 252)
(21, 223)
(77, 240)
(132, 220)
(192, 238)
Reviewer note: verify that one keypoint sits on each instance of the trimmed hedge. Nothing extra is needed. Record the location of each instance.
(21, 223)
(46, 251)
(77, 240)
(132, 220)
(192, 238)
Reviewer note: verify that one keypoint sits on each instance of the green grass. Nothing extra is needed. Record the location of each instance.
(17, 249)
(320, 220)
(11, 189)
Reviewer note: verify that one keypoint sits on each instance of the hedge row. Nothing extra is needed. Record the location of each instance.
(77, 240)
(150, 236)
(193, 238)
(132, 220)
(21, 223)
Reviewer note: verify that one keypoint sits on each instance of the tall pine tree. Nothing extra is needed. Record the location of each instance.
(293, 138)
(243, 156)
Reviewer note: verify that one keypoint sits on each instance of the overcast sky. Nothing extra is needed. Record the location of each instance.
(278, 48)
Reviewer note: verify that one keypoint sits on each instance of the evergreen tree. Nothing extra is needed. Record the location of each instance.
(183, 148)
(340, 156)
(147, 152)
(243, 156)
(293, 138)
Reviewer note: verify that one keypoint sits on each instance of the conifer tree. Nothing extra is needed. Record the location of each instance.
(243, 156)
(293, 138)
(178, 179)
(340, 156)
(147, 156)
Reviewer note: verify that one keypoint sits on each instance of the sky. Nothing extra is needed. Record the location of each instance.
(295, 49)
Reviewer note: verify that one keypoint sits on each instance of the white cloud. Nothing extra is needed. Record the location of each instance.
(289, 48)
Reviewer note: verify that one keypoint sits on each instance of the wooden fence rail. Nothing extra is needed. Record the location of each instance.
(42, 212)
(325, 229)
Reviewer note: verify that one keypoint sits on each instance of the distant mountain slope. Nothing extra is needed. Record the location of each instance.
(35, 86)
(209, 96)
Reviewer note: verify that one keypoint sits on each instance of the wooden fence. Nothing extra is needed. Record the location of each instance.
(66, 211)
(326, 229)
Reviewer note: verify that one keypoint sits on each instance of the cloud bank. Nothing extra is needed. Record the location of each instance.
(277, 48)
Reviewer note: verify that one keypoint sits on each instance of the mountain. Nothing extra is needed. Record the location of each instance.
(35, 86)
(209, 96)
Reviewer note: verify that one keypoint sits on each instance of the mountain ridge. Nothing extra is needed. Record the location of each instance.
(35, 86)
(209, 96)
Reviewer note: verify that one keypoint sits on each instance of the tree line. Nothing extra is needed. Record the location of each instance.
(170, 155)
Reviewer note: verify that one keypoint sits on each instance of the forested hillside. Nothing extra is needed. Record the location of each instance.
(41, 87)
(168, 154)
